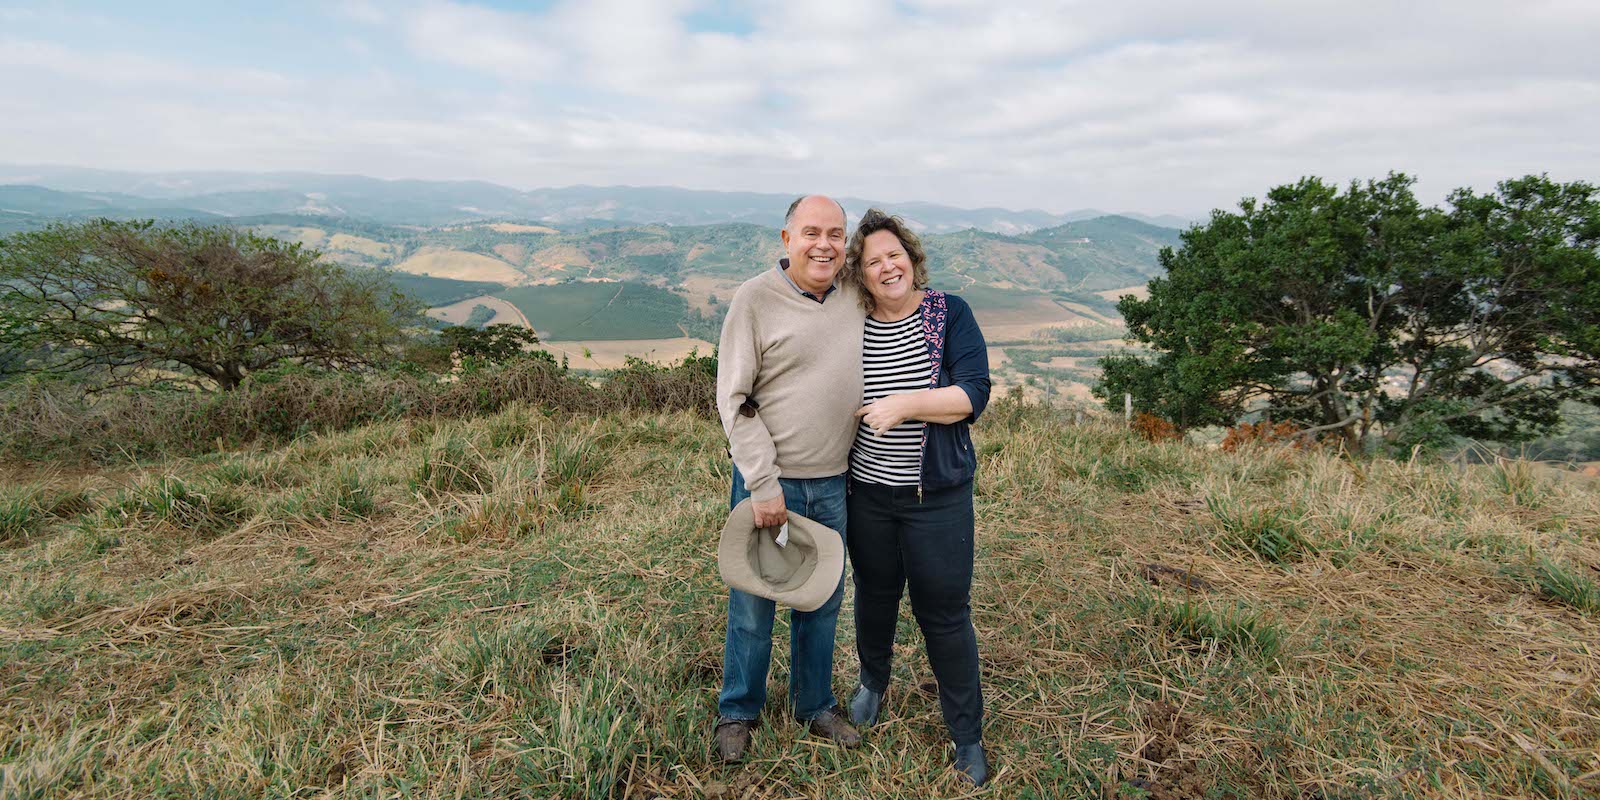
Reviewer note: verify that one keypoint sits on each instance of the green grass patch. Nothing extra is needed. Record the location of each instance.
(340, 497)
(1270, 534)
(171, 501)
(439, 291)
(1238, 631)
(1562, 584)
(1520, 482)
(452, 466)
(27, 510)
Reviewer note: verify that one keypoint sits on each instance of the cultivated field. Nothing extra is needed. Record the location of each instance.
(599, 310)
(613, 353)
(1141, 291)
(699, 289)
(457, 313)
(527, 604)
(461, 266)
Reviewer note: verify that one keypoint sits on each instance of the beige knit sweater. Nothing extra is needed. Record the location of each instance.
(800, 360)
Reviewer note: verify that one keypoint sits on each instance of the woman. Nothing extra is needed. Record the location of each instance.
(926, 379)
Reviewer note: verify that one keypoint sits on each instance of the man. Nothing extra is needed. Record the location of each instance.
(788, 386)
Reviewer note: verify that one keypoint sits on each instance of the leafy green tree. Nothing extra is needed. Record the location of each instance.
(134, 301)
(1363, 314)
(480, 315)
(494, 344)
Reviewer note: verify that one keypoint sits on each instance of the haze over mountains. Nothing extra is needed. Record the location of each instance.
(73, 192)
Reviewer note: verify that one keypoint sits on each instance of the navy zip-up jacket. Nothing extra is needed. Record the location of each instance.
(956, 347)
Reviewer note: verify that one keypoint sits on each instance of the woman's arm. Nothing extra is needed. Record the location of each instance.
(946, 405)
(967, 355)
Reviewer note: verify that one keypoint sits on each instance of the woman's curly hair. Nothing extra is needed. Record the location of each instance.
(871, 222)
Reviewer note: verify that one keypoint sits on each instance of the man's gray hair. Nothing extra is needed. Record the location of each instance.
(788, 216)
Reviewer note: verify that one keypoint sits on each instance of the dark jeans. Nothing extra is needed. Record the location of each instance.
(747, 650)
(896, 541)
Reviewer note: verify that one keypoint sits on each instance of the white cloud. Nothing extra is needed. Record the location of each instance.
(1143, 105)
(106, 68)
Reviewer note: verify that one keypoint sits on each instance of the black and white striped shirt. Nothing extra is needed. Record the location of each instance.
(894, 360)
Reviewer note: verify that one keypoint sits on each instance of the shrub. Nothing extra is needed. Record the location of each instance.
(1264, 432)
(53, 420)
(1155, 429)
(690, 385)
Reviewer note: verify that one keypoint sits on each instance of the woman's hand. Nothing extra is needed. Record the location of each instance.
(883, 414)
(944, 406)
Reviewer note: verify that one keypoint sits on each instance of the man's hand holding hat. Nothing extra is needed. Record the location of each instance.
(770, 513)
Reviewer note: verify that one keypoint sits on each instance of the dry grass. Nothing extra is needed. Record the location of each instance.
(526, 604)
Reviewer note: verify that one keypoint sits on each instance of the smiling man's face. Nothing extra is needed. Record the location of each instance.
(814, 239)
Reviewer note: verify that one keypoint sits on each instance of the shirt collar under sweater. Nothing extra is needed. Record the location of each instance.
(783, 269)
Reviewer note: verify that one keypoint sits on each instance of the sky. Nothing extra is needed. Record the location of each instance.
(1157, 107)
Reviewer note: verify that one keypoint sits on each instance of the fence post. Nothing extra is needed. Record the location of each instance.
(1127, 407)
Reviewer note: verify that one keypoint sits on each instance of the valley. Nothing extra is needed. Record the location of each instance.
(597, 295)
(604, 273)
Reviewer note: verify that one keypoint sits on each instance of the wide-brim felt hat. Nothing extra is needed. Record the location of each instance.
(802, 574)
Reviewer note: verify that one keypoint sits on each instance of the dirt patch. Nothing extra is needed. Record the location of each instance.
(1023, 264)
(1167, 775)
(561, 257)
(1162, 575)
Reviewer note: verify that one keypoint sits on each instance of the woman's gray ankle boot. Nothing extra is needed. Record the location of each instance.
(864, 706)
(971, 762)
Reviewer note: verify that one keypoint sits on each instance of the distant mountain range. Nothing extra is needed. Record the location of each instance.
(28, 193)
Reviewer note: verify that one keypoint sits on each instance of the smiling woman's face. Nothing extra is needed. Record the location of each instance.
(886, 268)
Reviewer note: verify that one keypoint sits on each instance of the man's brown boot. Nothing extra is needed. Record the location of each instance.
(831, 724)
(733, 736)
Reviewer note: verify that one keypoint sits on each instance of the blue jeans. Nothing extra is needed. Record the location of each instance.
(747, 650)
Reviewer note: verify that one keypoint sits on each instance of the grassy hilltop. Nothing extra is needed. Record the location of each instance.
(526, 603)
